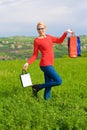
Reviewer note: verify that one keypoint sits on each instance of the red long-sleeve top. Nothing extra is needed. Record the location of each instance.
(45, 46)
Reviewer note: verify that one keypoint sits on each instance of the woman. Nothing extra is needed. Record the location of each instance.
(44, 44)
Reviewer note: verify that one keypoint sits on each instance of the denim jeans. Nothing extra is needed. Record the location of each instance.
(51, 79)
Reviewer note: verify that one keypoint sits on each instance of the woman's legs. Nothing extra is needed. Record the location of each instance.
(47, 90)
(50, 72)
(51, 79)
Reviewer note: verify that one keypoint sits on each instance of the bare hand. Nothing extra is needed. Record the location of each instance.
(25, 66)
(69, 31)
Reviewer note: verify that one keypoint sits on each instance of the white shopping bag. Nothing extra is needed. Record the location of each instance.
(25, 79)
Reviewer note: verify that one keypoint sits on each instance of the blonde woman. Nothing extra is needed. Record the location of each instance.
(44, 44)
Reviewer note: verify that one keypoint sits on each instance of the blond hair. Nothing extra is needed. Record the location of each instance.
(41, 23)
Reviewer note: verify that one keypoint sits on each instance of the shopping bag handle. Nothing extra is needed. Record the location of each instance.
(73, 34)
(24, 72)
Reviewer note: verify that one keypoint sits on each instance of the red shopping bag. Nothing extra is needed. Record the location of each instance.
(72, 46)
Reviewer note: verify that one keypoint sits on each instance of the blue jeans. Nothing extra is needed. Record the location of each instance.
(51, 79)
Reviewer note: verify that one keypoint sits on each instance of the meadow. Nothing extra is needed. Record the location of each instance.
(66, 109)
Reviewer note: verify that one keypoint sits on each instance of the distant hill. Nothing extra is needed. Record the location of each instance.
(21, 47)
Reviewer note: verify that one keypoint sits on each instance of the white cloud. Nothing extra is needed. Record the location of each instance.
(20, 15)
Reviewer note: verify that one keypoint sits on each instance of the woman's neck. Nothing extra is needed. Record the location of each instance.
(41, 36)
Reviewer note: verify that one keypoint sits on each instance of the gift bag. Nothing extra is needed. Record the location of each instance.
(78, 46)
(72, 46)
(25, 79)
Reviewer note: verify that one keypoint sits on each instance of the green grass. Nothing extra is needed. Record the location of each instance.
(66, 109)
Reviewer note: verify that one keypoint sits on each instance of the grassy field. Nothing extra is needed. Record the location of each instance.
(66, 109)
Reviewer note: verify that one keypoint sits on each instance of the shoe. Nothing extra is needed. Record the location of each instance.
(35, 89)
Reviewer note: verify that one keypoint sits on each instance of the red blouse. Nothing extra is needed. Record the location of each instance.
(45, 46)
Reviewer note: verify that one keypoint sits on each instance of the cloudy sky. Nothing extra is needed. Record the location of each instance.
(19, 17)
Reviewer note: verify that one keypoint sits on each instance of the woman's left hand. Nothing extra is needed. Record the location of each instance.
(69, 31)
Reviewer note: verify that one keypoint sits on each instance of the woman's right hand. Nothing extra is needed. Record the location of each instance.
(25, 66)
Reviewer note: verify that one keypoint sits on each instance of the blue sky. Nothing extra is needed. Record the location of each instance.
(19, 17)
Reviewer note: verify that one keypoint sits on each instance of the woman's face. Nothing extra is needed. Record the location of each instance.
(41, 30)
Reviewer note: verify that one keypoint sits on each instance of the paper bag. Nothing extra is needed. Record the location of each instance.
(25, 79)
